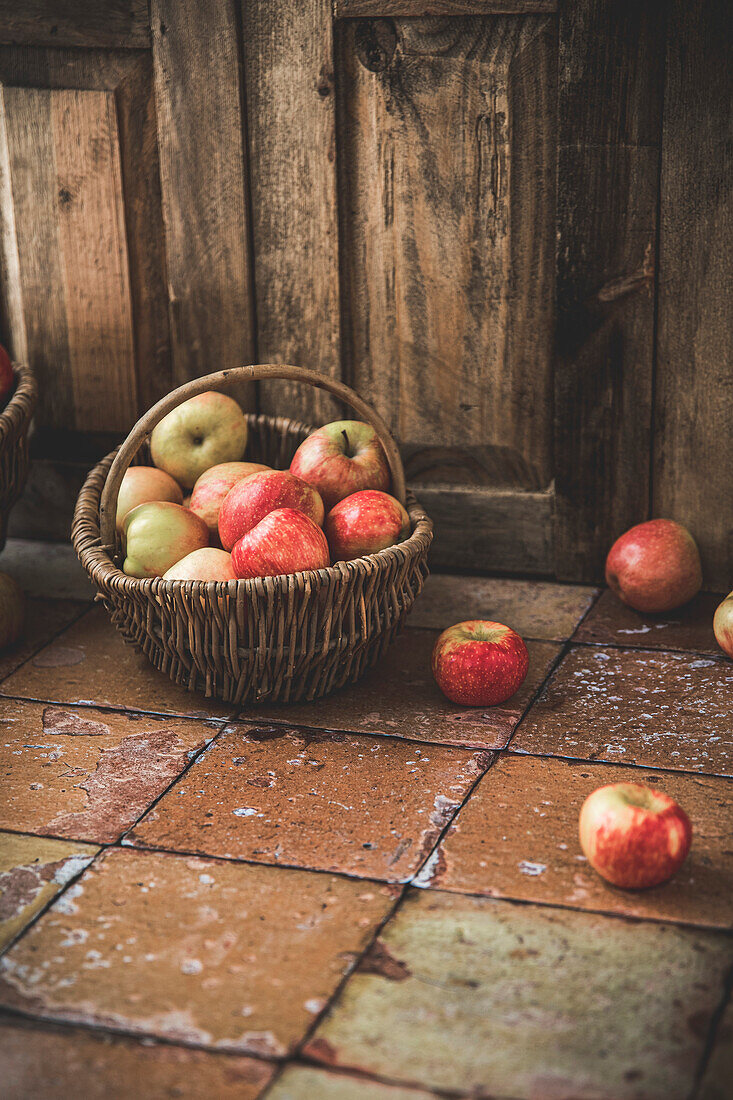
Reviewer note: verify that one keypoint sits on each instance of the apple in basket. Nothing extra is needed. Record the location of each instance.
(251, 500)
(142, 484)
(6, 376)
(157, 535)
(364, 523)
(206, 564)
(479, 663)
(340, 459)
(210, 489)
(723, 625)
(284, 541)
(202, 432)
(654, 566)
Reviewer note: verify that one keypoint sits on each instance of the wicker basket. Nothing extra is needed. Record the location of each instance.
(283, 638)
(15, 420)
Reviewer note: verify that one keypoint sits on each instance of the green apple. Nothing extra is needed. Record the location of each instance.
(157, 535)
(202, 432)
(723, 625)
(141, 484)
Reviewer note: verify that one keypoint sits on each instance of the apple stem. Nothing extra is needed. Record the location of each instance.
(346, 440)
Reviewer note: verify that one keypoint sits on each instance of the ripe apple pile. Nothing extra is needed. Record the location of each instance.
(202, 512)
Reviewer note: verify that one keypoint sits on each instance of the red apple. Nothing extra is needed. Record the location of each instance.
(655, 566)
(206, 564)
(284, 541)
(12, 611)
(634, 836)
(479, 664)
(251, 500)
(142, 484)
(723, 625)
(214, 484)
(157, 535)
(364, 523)
(7, 378)
(340, 459)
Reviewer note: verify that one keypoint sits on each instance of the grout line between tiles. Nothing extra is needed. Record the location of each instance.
(88, 704)
(712, 1034)
(303, 1061)
(719, 656)
(49, 641)
(596, 762)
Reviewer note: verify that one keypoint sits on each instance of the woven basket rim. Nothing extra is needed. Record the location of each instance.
(19, 409)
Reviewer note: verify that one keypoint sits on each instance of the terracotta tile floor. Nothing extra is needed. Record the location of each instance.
(372, 897)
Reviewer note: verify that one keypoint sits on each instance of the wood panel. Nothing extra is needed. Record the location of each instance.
(610, 96)
(198, 83)
(57, 23)
(364, 8)
(693, 442)
(288, 52)
(446, 143)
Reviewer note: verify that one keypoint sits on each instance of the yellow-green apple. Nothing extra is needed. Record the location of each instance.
(364, 523)
(206, 564)
(479, 663)
(654, 566)
(284, 541)
(142, 484)
(202, 432)
(158, 534)
(213, 485)
(340, 459)
(12, 611)
(634, 836)
(723, 625)
(250, 500)
(6, 376)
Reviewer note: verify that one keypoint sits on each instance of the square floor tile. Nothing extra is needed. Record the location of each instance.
(535, 609)
(370, 806)
(208, 952)
(32, 871)
(611, 622)
(400, 698)
(85, 773)
(90, 663)
(40, 1063)
(517, 837)
(716, 1081)
(43, 620)
(667, 710)
(523, 1001)
(307, 1083)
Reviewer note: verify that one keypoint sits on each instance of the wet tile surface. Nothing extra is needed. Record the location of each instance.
(611, 622)
(44, 619)
(535, 609)
(215, 953)
(657, 709)
(399, 698)
(41, 1062)
(366, 806)
(32, 871)
(86, 773)
(90, 663)
(716, 1081)
(306, 1083)
(518, 838)
(525, 1002)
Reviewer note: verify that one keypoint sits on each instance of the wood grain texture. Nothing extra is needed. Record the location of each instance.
(344, 9)
(288, 51)
(114, 23)
(693, 441)
(610, 95)
(198, 84)
(446, 143)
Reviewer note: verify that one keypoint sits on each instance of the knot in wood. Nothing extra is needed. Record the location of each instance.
(375, 41)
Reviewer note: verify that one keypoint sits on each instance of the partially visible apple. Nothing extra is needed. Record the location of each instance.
(202, 432)
(157, 535)
(364, 523)
(340, 459)
(723, 625)
(479, 663)
(142, 484)
(634, 836)
(654, 566)
(251, 500)
(213, 485)
(7, 377)
(12, 611)
(206, 564)
(284, 541)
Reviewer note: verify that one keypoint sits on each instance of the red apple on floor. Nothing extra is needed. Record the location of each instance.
(7, 378)
(251, 500)
(655, 566)
(723, 625)
(202, 432)
(213, 485)
(12, 611)
(284, 541)
(157, 535)
(340, 459)
(142, 484)
(479, 663)
(206, 564)
(634, 836)
(364, 523)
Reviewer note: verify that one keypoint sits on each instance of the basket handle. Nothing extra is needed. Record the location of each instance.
(218, 381)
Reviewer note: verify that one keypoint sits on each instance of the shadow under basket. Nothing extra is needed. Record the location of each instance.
(287, 638)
